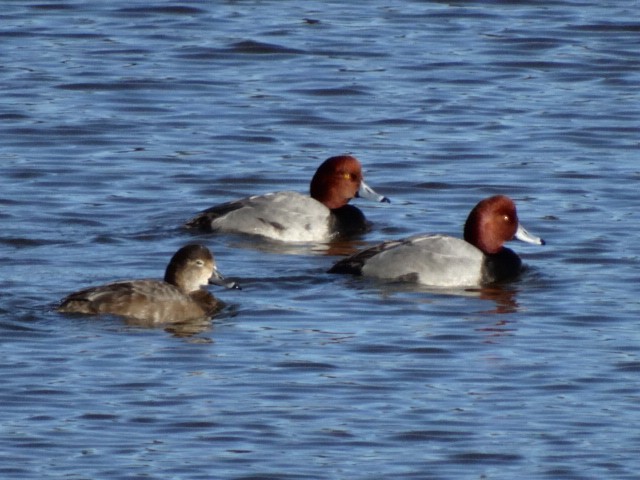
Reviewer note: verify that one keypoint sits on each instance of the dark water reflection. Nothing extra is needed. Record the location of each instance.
(119, 122)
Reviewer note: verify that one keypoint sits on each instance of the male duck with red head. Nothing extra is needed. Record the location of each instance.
(295, 217)
(445, 261)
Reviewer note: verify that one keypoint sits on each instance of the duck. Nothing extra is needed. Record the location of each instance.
(444, 261)
(178, 298)
(289, 216)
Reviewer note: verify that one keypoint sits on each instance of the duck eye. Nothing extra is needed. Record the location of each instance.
(199, 263)
(506, 218)
(347, 176)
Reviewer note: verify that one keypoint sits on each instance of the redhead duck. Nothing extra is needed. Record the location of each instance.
(294, 217)
(444, 261)
(178, 298)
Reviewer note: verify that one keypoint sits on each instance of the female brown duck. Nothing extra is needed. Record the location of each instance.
(180, 297)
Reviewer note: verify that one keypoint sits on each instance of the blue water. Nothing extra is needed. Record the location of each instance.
(120, 120)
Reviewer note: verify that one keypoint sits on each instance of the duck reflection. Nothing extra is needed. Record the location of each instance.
(504, 298)
(334, 248)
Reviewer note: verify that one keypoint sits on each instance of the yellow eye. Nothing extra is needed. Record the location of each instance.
(346, 176)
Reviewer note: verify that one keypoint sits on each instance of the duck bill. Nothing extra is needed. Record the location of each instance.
(217, 279)
(524, 236)
(365, 191)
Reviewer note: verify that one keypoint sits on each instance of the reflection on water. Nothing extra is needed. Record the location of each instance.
(188, 329)
(504, 297)
(339, 247)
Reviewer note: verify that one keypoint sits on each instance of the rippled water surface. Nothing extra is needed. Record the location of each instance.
(120, 120)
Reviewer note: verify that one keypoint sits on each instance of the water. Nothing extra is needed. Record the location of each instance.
(120, 120)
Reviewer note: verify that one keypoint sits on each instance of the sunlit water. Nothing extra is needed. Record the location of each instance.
(119, 121)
